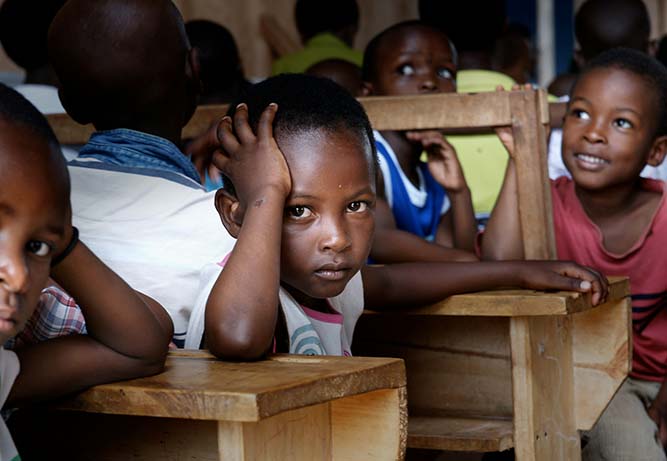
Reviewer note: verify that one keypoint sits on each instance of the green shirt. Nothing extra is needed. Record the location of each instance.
(320, 47)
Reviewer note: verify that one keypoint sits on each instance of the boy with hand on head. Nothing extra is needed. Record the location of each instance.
(301, 198)
(126, 67)
(128, 333)
(418, 202)
(608, 217)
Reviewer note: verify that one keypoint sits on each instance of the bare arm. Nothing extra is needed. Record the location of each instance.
(242, 308)
(128, 335)
(408, 285)
(392, 245)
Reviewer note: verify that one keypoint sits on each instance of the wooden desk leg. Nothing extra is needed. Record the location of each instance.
(370, 426)
(543, 389)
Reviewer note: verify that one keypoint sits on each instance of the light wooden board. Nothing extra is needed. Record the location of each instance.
(438, 111)
(463, 434)
(215, 390)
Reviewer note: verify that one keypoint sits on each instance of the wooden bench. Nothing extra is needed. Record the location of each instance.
(489, 371)
(200, 408)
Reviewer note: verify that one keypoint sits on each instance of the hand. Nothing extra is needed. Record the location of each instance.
(566, 276)
(252, 162)
(442, 160)
(657, 411)
(505, 133)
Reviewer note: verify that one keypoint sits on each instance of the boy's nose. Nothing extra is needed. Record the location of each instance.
(14, 273)
(335, 237)
(594, 133)
(428, 84)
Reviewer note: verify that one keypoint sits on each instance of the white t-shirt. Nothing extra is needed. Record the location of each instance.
(156, 233)
(9, 369)
(310, 332)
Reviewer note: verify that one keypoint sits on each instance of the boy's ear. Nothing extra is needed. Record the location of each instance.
(366, 88)
(229, 209)
(658, 151)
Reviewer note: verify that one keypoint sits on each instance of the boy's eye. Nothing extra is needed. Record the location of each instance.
(582, 114)
(357, 207)
(406, 69)
(622, 123)
(38, 248)
(299, 212)
(445, 73)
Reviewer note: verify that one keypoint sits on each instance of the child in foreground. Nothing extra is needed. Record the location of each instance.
(300, 197)
(128, 333)
(424, 210)
(608, 217)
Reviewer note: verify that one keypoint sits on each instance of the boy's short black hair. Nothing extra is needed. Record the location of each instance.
(370, 65)
(473, 25)
(305, 103)
(604, 24)
(317, 16)
(24, 27)
(642, 65)
(14, 108)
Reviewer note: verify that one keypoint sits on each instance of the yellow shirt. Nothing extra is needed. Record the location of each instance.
(319, 48)
(483, 158)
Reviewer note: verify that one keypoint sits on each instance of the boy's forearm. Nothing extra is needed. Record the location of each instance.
(397, 246)
(465, 226)
(408, 285)
(502, 238)
(116, 316)
(242, 308)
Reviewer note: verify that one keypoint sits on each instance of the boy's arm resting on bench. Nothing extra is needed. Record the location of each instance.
(407, 285)
(128, 335)
(502, 238)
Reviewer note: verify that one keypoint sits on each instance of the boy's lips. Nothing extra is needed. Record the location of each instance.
(7, 320)
(590, 162)
(332, 272)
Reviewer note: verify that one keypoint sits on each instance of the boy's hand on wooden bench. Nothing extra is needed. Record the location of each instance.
(566, 276)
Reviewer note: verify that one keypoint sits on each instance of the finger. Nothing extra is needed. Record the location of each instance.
(265, 128)
(221, 161)
(205, 143)
(241, 125)
(226, 136)
(591, 281)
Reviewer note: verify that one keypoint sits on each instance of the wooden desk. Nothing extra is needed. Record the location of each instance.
(467, 356)
(283, 408)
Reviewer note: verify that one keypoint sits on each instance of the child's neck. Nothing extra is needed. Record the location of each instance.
(407, 153)
(316, 304)
(609, 202)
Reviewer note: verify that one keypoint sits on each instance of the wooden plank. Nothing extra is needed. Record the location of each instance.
(215, 390)
(460, 434)
(302, 434)
(515, 303)
(534, 193)
(371, 426)
(456, 365)
(602, 346)
(543, 389)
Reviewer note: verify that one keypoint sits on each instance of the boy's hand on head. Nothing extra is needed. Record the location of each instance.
(253, 162)
(566, 276)
(443, 163)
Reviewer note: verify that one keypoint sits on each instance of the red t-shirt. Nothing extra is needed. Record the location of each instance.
(579, 239)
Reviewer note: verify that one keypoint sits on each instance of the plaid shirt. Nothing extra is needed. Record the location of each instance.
(57, 314)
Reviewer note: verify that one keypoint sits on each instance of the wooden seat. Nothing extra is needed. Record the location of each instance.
(200, 408)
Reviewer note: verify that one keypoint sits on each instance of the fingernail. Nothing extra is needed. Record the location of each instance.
(240, 105)
(273, 105)
(585, 285)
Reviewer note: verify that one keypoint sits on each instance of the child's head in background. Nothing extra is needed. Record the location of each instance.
(616, 121)
(326, 139)
(125, 64)
(34, 208)
(409, 58)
